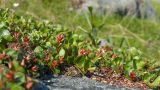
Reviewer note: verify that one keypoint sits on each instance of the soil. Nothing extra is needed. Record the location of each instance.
(109, 77)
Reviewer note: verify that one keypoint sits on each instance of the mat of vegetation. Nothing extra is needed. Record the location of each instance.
(30, 49)
(140, 33)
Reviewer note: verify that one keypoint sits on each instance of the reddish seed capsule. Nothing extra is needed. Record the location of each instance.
(132, 75)
(2, 56)
(16, 34)
(47, 59)
(16, 48)
(110, 49)
(99, 53)
(60, 38)
(1, 84)
(10, 76)
(29, 83)
(1, 69)
(23, 63)
(34, 68)
(61, 59)
(35, 60)
(120, 68)
(26, 40)
(10, 65)
(82, 52)
(54, 64)
(114, 56)
(27, 58)
(104, 50)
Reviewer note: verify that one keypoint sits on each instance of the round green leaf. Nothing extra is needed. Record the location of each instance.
(38, 49)
(62, 52)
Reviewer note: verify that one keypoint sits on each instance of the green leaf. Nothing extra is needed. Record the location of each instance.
(6, 35)
(88, 20)
(75, 36)
(2, 24)
(140, 65)
(70, 60)
(20, 77)
(16, 87)
(74, 43)
(17, 67)
(40, 55)
(2, 47)
(92, 69)
(86, 65)
(11, 52)
(48, 44)
(133, 51)
(154, 84)
(134, 64)
(38, 49)
(59, 28)
(56, 71)
(80, 62)
(62, 52)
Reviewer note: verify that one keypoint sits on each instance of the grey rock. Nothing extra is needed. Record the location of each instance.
(158, 1)
(39, 86)
(103, 43)
(75, 83)
(135, 8)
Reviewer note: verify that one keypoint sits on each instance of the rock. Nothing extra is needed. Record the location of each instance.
(75, 83)
(136, 8)
(77, 3)
(39, 86)
(158, 1)
(103, 43)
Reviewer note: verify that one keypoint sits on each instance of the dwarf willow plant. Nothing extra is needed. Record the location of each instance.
(34, 48)
(129, 61)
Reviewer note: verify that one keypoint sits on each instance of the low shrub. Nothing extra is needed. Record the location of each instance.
(30, 48)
